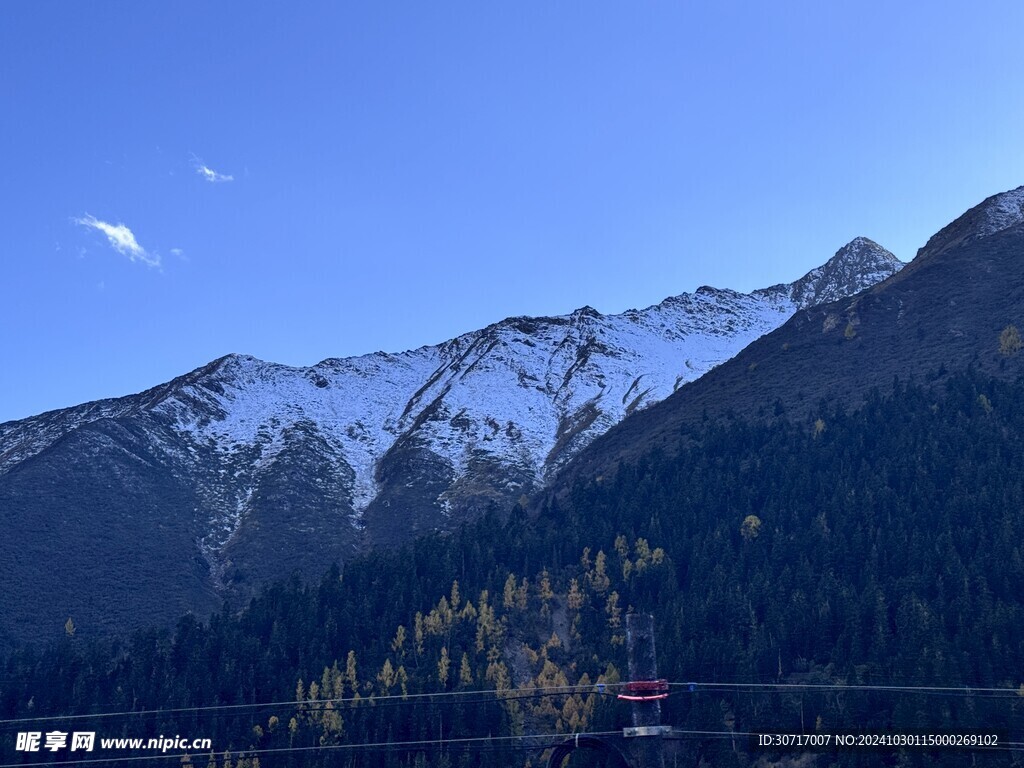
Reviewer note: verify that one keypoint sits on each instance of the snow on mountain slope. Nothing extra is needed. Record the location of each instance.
(416, 440)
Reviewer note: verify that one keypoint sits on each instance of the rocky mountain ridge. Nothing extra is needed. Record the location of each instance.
(263, 468)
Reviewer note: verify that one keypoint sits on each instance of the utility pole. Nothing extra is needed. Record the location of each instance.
(644, 691)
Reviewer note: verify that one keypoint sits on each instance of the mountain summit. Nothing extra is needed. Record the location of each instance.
(951, 308)
(242, 470)
(861, 262)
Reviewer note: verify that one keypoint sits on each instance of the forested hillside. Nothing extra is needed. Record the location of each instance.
(877, 547)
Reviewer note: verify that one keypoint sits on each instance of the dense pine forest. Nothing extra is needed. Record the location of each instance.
(806, 575)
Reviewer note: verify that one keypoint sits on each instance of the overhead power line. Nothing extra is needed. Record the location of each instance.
(484, 695)
(490, 695)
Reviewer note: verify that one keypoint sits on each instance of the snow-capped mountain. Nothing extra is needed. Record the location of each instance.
(274, 467)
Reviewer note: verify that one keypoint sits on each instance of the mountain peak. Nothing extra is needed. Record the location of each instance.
(993, 214)
(857, 265)
(858, 246)
(862, 254)
(585, 311)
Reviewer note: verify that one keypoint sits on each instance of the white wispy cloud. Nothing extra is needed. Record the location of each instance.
(121, 239)
(208, 173)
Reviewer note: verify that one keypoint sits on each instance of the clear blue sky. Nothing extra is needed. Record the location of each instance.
(404, 172)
